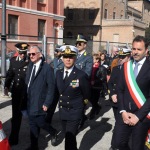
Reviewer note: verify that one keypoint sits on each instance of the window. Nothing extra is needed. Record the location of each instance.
(69, 35)
(12, 26)
(70, 14)
(40, 1)
(105, 14)
(114, 15)
(41, 29)
(91, 14)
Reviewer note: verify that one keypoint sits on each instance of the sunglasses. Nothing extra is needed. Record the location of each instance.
(22, 53)
(69, 56)
(79, 43)
(33, 54)
(122, 56)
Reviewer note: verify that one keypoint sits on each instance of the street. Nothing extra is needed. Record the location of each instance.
(95, 135)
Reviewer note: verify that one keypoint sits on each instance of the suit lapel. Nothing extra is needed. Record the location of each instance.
(143, 70)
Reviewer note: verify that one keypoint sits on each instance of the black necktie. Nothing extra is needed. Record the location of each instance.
(66, 76)
(33, 74)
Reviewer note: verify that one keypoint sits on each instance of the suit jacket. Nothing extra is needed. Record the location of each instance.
(113, 82)
(125, 100)
(72, 94)
(85, 63)
(41, 90)
(16, 74)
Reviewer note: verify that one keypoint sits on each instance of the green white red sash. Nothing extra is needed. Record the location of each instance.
(133, 87)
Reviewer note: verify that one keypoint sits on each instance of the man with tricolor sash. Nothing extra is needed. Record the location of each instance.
(134, 99)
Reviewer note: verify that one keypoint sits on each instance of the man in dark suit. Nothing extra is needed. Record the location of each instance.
(40, 92)
(134, 99)
(15, 79)
(123, 56)
(56, 64)
(73, 87)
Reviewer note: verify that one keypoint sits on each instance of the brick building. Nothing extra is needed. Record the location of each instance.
(105, 20)
(33, 18)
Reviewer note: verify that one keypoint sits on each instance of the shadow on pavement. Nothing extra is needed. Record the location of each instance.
(95, 134)
(5, 104)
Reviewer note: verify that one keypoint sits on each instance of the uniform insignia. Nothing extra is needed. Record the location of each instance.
(67, 50)
(23, 46)
(121, 52)
(74, 83)
(85, 53)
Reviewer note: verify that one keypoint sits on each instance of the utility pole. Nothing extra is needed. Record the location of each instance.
(125, 9)
(3, 40)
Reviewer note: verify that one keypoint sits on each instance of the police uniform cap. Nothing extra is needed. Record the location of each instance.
(124, 51)
(22, 47)
(81, 38)
(69, 50)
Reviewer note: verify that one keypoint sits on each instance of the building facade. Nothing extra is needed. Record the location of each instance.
(33, 18)
(117, 21)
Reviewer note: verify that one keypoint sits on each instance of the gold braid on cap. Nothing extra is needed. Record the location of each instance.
(23, 46)
(121, 52)
(67, 50)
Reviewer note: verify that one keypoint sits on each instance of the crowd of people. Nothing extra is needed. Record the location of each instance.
(75, 78)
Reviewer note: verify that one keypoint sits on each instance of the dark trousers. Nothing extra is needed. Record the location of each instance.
(70, 128)
(138, 133)
(37, 122)
(95, 94)
(16, 118)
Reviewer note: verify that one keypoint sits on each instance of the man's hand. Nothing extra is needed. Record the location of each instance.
(133, 119)
(45, 108)
(114, 98)
(6, 91)
(126, 117)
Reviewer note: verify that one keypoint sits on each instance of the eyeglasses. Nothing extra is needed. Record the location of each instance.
(33, 54)
(21, 53)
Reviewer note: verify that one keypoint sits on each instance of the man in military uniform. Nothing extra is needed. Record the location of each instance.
(73, 87)
(15, 77)
(84, 60)
(57, 62)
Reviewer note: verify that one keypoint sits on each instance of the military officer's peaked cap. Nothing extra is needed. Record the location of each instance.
(22, 47)
(69, 50)
(124, 51)
(81, 38)
(57, 49)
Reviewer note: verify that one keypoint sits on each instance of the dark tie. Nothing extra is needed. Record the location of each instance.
(136, 69)
(66, 76)
(33, 74)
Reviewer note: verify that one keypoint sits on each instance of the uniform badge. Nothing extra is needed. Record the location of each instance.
(74, 83)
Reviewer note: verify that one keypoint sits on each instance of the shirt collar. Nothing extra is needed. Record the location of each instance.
(82, 52)
(141, 62)
(69, 70)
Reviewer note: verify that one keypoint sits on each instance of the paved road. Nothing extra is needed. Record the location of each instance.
(96, 134)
